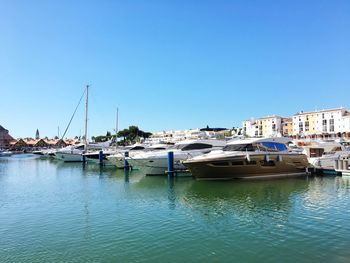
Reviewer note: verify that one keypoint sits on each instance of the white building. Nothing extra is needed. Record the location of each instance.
(264, 127)
(191, 134)
(175, 136)
(322, 123)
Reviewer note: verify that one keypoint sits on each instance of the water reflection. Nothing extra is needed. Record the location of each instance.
(106, 213)
(171, 193)
(244, 199)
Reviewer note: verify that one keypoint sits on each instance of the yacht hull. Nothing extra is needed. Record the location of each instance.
(116, 160)
(5, 154)
(69, 157)
(327, 162)
(95, 158)
(156, 166)
(258, 166)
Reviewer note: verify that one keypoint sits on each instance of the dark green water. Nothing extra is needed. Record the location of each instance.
(57, 212)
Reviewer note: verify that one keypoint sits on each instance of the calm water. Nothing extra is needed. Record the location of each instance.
(56, 212)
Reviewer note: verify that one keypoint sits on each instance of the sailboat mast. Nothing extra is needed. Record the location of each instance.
(86, 115)
(116, 128)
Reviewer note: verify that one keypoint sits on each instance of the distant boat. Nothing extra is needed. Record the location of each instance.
(5, 153)
(75, 153)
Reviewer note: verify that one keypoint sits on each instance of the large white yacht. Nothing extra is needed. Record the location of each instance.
(155, 162)
(249, 158)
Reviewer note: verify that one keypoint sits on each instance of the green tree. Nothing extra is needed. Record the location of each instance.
(133, 133)
(123, 133)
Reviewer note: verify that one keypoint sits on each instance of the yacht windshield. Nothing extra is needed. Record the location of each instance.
(192, 146)
(252, 147)
(275, 146)
(155, 149)
(81, 147)
(136, 148)
(240, 147)
(197, 146)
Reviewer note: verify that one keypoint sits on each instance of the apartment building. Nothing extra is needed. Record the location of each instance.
(265, 127)
(322, 123)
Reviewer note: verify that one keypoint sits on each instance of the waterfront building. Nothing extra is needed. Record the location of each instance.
(287, 127)
(265, 127)
(18, 144)
(174, 136)
(30, 143)
(215, 133)
(5, 137)
(329, 123)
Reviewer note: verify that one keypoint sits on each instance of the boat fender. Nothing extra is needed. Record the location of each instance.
(279, 158)
(247, 157)
(267, 158)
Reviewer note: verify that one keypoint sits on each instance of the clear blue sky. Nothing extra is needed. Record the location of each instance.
(169, 64)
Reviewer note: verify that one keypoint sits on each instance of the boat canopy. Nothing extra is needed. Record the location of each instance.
(198, 144)
(261, 146)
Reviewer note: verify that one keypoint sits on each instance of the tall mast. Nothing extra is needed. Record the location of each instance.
(116, 129)
(86, 115)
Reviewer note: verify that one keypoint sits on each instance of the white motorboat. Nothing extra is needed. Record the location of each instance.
(118, 158)
(45, 153)
(5, 153)
(322, 154)
(249, 158)
(72, 153)
(155, 162)
(94, 156)
(327, 161)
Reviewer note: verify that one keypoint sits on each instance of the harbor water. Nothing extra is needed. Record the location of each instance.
(58, 212)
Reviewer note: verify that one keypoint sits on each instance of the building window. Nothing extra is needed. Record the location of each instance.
(274, 127)
(322, 115)
(331, 125)
(301, 128)
(324, 125)
(307, 126)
